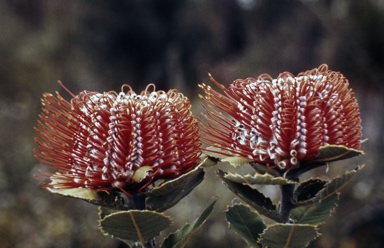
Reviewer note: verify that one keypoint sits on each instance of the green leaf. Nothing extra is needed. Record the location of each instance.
(134, 225)
(308, 189)
(141, 173)
(288, 235)
(315, 214)
(103, 212)
(258, 179)
(81, 193)
(245, 222)
(171, 192)
(111, 198)
(331, 153)
(252, 196)
(181, 237)
(332, 186)
(169, 186)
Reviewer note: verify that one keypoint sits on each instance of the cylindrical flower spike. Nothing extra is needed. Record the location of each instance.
(282, 122)
(110, 140)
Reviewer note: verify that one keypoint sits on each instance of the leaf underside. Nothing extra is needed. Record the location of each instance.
(81, 193)
(257, 178)
(111, 198)
(331, 153)
(236, 161)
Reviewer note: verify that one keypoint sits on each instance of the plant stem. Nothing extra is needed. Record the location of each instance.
(286, 202)
(139, 200)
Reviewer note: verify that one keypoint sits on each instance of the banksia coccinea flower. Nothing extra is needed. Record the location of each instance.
(101, 140)
(282, 122)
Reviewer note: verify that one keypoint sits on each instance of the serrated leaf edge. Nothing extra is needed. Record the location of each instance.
(269, 213)
(106, 233)
(348, 150)
(231, 160)
(318, 234)
(272, 178)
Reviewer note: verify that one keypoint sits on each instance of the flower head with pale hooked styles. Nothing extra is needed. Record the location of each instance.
(282, 122)
(101, 140)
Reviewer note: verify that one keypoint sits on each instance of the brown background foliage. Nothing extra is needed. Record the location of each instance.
(99, 45)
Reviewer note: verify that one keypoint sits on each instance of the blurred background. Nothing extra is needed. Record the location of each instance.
(99, 45)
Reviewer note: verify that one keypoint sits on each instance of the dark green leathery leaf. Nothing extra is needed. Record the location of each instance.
(245, 222)
(317, 213)
(171, 192)
(333, 186)
(288, 235)
(252, 196)
(308, 189)
(179, 238)
(134, 225)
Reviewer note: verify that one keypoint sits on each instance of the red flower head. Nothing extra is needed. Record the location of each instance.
(282, 122)
(100, 140)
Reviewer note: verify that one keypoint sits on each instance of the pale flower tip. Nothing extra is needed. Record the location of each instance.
(45, 95)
